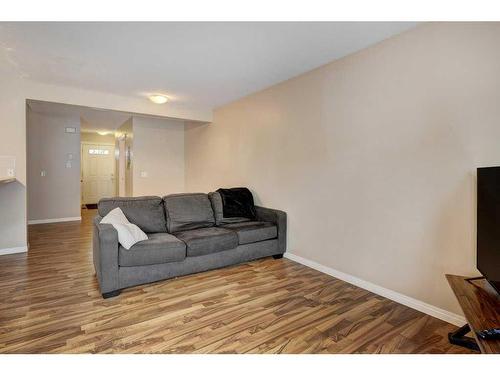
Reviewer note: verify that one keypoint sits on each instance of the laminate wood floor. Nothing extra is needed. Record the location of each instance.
(50, 303)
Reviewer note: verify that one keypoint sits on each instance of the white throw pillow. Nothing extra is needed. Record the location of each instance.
(128, 233)
(115, 216)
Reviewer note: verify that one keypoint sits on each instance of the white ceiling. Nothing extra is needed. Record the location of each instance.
(195, 64)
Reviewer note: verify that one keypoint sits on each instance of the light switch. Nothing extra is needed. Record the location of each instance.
(144, 174)
(68, 164)
(43, 173)
(70, 156)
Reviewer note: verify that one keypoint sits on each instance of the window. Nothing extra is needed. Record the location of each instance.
(94, 151)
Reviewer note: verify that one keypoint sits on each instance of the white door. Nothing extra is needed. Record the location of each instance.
(98, 172)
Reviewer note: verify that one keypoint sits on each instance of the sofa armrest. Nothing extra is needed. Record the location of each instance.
(105, 254)
(279, 219)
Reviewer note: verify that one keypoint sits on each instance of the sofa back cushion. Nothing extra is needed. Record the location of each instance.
(188, 211)
(145, 212)
(216, 201)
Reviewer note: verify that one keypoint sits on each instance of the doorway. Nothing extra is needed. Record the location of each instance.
(98, 172)
(72, 158)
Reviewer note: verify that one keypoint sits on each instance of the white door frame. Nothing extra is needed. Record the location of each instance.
(122, 166)
(82, 143)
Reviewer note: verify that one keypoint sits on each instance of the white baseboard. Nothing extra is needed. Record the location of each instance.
(416, 304)
(58, 220)
(14, 250)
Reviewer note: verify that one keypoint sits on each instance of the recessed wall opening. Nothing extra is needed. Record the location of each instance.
(78, 155)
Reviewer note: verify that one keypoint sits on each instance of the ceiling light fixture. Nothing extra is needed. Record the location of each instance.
(103, 133)
(158, 99)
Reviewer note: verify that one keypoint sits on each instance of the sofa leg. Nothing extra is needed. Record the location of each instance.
(114, 293)
(278, 256)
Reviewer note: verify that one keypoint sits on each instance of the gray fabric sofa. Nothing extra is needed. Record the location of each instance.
(188, 233)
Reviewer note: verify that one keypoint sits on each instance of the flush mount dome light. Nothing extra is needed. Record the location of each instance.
(158, 99)
(102, 133)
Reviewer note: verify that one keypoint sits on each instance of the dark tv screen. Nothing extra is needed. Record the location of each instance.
(488, 224)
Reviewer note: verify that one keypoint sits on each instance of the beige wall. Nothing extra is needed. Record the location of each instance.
(373, 156)
(57, 194)
(13, 143)
(158, 150)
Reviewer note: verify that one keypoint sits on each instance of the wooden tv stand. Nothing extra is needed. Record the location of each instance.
(480, 304)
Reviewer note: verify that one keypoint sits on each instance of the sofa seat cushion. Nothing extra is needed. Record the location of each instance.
(205, 241)
(159, 248)
(145, 212)
(253, 231)
(188, 211)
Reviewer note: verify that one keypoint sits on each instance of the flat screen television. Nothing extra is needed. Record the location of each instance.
(488, 224)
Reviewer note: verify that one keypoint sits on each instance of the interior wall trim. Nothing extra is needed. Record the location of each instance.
(416, 304)
(14, 250)
(56, 220)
